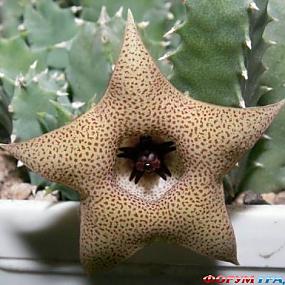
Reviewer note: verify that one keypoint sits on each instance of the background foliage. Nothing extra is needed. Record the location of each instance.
(56, 58)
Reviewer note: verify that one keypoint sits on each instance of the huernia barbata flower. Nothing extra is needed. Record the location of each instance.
(119, 216)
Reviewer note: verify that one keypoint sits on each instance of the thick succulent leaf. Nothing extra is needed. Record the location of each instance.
(47, 122)
(36, 179)
(47, 24)
(11, 16)
(35, 103)
(266, 165)
(210, 61)
(178, 9)
(15, 59)
(57, 58)
(66, 192)
(63, 115)
(51, 80)
(27, 103)
(91, 56)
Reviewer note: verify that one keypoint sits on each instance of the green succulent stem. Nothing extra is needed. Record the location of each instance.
(209, 62)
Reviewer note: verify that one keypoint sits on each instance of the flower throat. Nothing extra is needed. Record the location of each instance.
(148, 157)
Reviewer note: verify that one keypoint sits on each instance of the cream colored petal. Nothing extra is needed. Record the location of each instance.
(203, 224)
(136, 76)
(73, 155)
(114, 225)
(217, 137)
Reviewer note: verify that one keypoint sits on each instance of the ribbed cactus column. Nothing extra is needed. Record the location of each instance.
(209, 62)
(251, 88)
(265, 169)
(256, 47)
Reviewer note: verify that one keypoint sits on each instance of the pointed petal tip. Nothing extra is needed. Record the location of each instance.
(235, 261)
(278, 105)
(232, 258)
(130, 25)
(10, 148)
(282, 103)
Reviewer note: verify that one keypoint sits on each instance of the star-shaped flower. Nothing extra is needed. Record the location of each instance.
(117, 217)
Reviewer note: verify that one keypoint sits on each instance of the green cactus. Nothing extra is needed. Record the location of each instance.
(66, 192)
(265, 170)
(92, 55)
(32, 104)
(40, 104)
(50, 28)
(156, 12)
(209, 62)
(94, 51)
(15, 59)
(11, 16)
(154, 19)
(256, 47)
(47, 24)
(259, 19)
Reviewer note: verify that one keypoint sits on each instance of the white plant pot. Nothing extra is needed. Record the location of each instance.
(39, 246)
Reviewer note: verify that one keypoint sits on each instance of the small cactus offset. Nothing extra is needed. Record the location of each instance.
(56, 59)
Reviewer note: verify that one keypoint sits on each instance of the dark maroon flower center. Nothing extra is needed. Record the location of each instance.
(148, 157)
